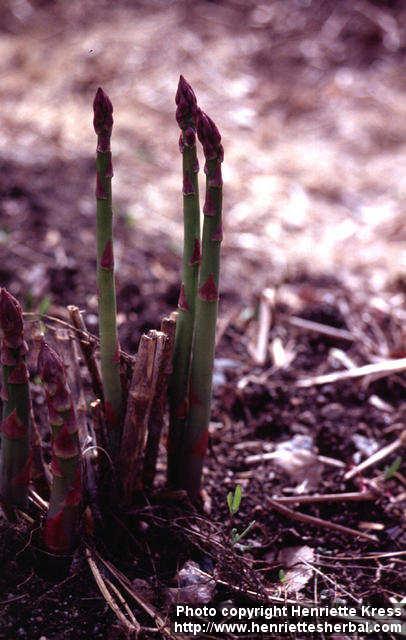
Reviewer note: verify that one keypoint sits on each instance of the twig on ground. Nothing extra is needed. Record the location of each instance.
(341, 357)
(163, 627)
(322, 329)
(383, 368)
(132, 626)
(332, 462)
(377, 456)
(337, 355)
(318, 522)
(270, 455)
(249, 593)
(327, 497)
(380, 404)
(259, 351)
(368, 556)
(123, 602)
(333, 582)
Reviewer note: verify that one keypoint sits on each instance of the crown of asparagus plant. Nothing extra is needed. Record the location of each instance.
(15, 427)
(66, 493)
(196, 433)
(109, 347)
(186, 107)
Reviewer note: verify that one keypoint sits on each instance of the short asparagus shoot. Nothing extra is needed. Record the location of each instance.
(66, 492)
(15, 427)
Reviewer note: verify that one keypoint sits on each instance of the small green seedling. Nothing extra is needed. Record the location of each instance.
(234, 500)
(43, 309)
(44, 305)
(282, 575)
(237, 537)
(393, 468)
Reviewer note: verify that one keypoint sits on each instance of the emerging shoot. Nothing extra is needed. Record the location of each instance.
(109, 347)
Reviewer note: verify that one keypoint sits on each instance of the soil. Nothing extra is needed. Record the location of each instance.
(318, 269)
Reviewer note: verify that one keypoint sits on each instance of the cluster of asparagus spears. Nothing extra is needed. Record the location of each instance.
(18, 465)
(128, 415)
(191, 382)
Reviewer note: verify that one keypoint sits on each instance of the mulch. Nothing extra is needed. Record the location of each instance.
(256, 408)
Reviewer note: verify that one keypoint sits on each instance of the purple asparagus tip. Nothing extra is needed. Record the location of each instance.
(50, 366)
(103, 119)
(209, 136)
(186, 104)
(11, 317)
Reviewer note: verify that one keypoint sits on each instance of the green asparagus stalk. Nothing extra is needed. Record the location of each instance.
(196, 433)
(109, 347)
(66, 492)
(179, 382)
(15, 427)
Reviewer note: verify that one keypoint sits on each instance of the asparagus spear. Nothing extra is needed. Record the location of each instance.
(179, 382)
(66, 492)
(15, 428)
(109, 348)
(196, 433)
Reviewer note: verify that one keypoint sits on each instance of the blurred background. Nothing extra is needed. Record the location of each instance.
(309, 96)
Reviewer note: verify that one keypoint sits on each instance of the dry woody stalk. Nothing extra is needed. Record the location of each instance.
(156, 418)
(87, 349)
(140, 399)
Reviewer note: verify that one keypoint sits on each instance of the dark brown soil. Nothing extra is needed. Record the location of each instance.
(262, 411)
